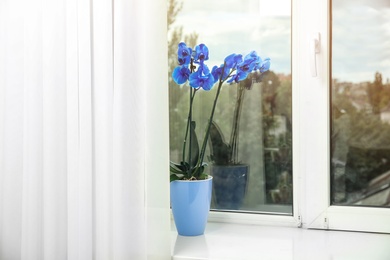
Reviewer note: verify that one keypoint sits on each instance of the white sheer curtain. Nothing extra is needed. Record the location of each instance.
(83, 109)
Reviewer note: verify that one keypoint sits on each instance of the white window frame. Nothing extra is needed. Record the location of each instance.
(320, 213)
(311, 137)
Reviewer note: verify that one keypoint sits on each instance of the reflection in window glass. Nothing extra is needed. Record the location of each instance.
(260, 178)
(360, 171)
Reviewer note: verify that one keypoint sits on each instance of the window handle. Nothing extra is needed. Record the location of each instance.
(314, 49)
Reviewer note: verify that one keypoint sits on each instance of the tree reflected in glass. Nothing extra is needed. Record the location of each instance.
(360, 133)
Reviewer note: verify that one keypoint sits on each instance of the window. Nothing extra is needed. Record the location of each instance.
(336, 179)
(258, 178)
(314, 74)
(360, 103)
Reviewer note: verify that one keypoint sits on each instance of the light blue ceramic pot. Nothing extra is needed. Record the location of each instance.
(190, 202)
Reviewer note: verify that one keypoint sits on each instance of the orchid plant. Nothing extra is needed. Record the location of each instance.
(192, 69)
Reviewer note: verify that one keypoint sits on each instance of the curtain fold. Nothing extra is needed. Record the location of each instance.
(129, 130)
(102, 94)
(77, 109)
(32, 189)
(12, 133)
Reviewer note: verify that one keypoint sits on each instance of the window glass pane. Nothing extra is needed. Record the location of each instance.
(263, 182)
(360, 172)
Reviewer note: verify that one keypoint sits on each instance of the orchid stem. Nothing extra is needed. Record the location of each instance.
(205, 140)
(188, 129)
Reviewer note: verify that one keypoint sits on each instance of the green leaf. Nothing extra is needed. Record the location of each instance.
(198, 171)
(182, 167)
(175, 171)
(175, 177)
(203, 177)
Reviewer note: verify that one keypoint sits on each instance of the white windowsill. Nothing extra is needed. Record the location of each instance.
(236, 241)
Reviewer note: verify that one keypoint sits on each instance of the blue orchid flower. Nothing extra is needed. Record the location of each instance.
(201, 53)
(217, 71)
(254, 60)
(202, 78)
(265, 65)
(232, 60)
(181, 74)
(244, 67)
(250, 62)
(239, 76)
(184, 54)
(252, 55)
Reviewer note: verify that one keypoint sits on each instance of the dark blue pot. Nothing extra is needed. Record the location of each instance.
(190, 202)
(229, 185)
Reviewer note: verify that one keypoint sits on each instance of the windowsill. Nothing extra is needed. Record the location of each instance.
(235, 241)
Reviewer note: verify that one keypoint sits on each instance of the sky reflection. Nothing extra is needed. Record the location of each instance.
(361, 33)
